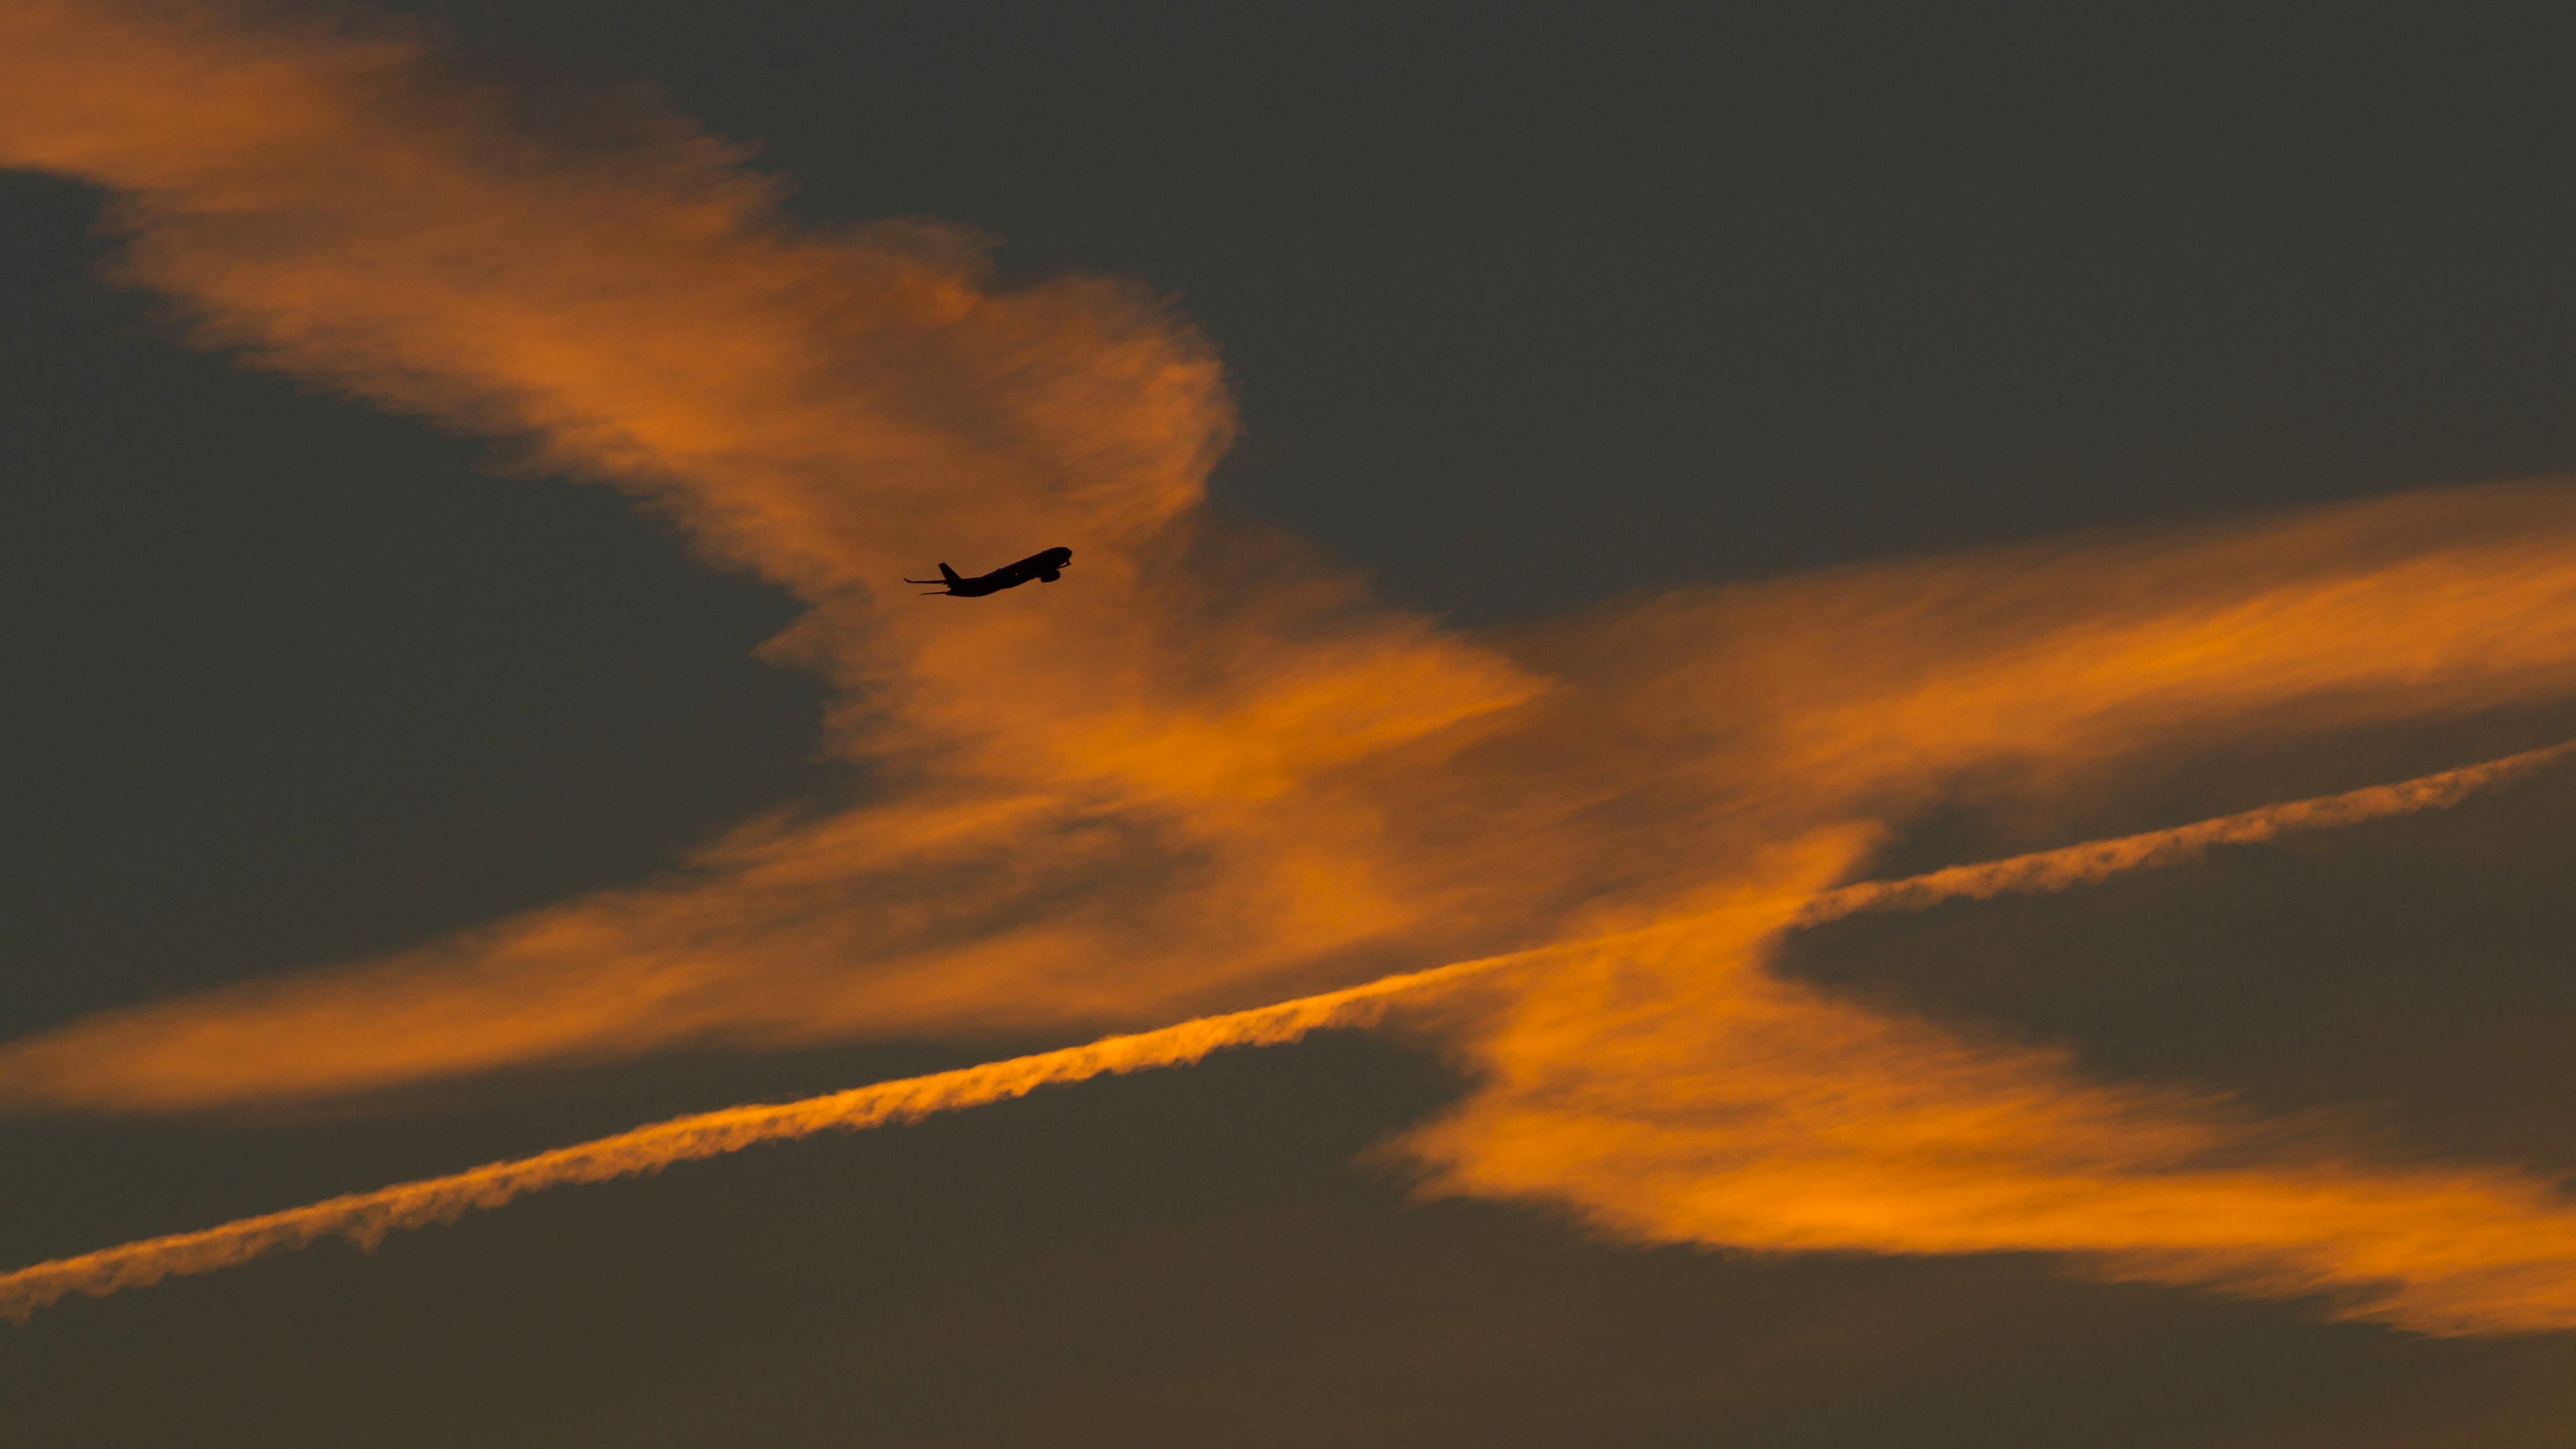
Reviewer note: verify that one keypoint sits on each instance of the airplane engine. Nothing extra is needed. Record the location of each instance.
(1050, 576)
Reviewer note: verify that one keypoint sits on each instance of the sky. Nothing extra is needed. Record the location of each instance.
(1792, 725)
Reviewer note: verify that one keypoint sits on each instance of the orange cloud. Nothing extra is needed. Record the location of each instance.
(1668, 1089)
(365, 1218)
(1652, 754)
(2491, 1226)
(834, 411)
(1205, 771)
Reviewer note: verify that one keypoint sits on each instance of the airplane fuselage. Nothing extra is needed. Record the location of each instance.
(1044, 567)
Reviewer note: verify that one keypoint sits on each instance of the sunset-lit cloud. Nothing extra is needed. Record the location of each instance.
(1658, 751)
(1669, 1089)
(1207, 771)
(2497, 1226)
(364, 1218)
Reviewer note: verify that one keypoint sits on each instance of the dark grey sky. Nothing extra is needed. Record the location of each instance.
(1524, 307)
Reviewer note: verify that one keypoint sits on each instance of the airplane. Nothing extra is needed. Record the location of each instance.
(1045, 567)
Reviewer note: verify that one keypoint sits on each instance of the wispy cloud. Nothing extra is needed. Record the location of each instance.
(2507, 1233)
(1207, 771)
(1666, 1088)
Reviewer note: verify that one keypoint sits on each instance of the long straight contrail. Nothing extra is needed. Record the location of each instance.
(2051, 870)
(366, 1217)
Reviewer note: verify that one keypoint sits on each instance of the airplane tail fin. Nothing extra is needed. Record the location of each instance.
(948, 573)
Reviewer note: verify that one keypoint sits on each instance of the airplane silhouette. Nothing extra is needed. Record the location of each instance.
(1045, 567)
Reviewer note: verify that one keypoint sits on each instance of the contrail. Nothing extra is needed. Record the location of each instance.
(2073, 865)
(366, 1217)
